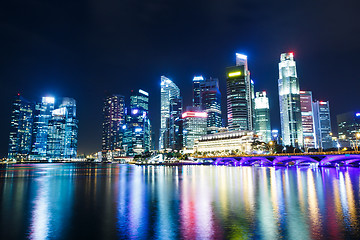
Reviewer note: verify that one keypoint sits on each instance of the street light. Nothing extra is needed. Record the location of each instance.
(271, 143)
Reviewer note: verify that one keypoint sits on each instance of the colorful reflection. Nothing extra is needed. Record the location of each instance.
(109, 201)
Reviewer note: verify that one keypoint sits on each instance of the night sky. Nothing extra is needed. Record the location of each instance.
(82, 49)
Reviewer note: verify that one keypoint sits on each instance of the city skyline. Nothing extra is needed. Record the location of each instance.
(44, 58)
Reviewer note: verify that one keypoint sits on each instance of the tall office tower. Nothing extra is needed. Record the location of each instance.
(307, 116)
(348, 126)
(175, 126)
(63, 131)
(168, 91)
(211, 103)
(239, 95)
(289, 96)
(197, 80)
(42, 115)
(195, 126)
(113, 122)
(137, 138)
(20, 128)
(262, 116)
(322, 125)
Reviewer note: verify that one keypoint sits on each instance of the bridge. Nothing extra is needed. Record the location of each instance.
(322, 159)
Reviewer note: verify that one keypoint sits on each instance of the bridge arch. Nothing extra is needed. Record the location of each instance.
(344, 159)
(296, 159)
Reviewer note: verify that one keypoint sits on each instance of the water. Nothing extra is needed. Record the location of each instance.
(111, 201)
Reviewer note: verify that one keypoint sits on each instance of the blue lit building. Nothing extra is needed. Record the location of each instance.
(168, 91)
(42, 116)
(137, 128)
(322, 124)
(20, 128)
(63, 131)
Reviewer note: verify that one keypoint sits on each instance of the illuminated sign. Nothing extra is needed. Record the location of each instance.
(194, 114)
(48, 99)
(302, 92)
(242, 56)
(322, 103)
(197, 78)
(233, 74)
(357, 114)
(143, 92)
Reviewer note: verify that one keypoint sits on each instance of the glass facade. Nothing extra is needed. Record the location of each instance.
(63, 131)
(307, 116)
(239, 95)
(195, 126)
(211, 104)
(197, 80)
(42, 116)
(323, 125)
(289, 98)
(113, 122)
(20, 128)
(262, 116)
(169, 91)
(137, 129)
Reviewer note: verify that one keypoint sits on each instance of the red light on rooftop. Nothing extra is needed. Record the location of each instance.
(18, 94)
(322, 103)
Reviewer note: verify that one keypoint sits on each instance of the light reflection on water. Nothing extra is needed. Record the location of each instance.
(72, 201)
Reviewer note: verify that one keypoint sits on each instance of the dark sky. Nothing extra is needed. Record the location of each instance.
(81, 49)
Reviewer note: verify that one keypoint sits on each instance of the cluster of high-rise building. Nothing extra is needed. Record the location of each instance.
(126, 130)
(46, 130)
(305, 123)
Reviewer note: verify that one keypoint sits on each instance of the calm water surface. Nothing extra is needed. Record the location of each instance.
(112, 201)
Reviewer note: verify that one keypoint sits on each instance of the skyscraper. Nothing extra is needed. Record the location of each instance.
(137, 130)
(113, 122)
(262, 116)
(195, 126)
(42, 115)
(175, 124)
(239, 95)
(20, 128)
(169, 91)
(210, 98)
(63, 131)
(289, 96)
(307, 116)
(323, 125)
(197, 80)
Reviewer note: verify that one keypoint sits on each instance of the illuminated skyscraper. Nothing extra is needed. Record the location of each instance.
(113, 122)
(42, 115)
(307, 116)
(239, 95)
(169, 91)
(262, 116)
(211, 103)
(289, 96)
(20, 128)
(323, 125)
(63, 131)
(137, 129)
(175, 129)
(195, 126)
(197, 80)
